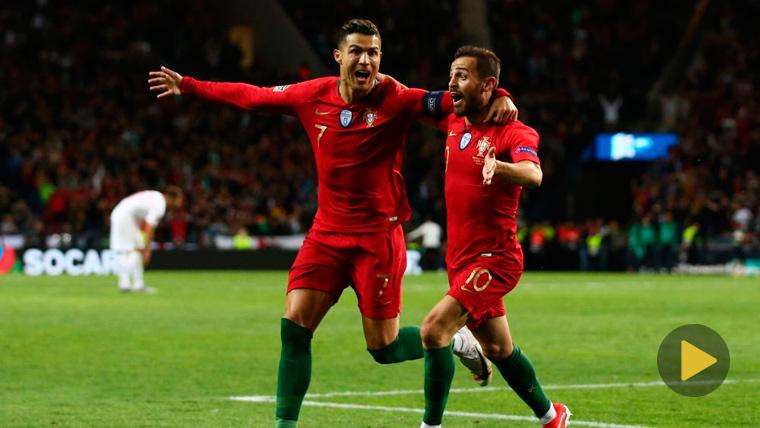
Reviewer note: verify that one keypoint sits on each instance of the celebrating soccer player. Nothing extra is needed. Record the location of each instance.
(486, 167)
(357, 124)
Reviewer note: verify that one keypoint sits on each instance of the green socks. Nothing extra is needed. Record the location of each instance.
(407, 346)
(284, 423)
(294, 374)
(439, 371)
(521, 377)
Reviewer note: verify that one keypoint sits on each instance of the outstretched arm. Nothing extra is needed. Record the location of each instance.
(524, 173)
(434, 105)
(165, 81)
(278, 99)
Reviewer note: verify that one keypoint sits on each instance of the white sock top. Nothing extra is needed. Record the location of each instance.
(551, 414)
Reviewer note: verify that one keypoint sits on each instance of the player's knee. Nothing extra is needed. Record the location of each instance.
(496, 351)
(433, 334)
(385, 354)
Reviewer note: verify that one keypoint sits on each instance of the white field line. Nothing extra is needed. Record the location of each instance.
(495, 416)
(267, 398)
(272, 399)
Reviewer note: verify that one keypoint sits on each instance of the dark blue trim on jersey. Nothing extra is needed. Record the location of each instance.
(523, 149)
(431, 103)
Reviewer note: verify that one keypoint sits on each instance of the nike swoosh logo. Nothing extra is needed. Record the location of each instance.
(452, 134)
(321, 113)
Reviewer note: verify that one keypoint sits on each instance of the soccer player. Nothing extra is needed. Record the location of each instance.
(486, 167)
(357, 124)
(133, 222)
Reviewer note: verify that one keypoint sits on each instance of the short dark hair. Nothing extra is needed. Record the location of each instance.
(356, 25)
(487, 63)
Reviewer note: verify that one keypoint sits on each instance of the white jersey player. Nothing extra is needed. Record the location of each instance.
(133, 222)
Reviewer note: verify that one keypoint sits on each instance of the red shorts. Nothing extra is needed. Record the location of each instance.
(480, 287)
(371, 263)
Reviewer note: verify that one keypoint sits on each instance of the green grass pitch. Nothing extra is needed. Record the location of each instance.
(76, 353)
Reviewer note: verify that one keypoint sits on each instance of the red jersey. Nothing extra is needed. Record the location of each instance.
(357, 146)
(481, 220)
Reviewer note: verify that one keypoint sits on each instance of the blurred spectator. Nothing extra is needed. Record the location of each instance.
(429, 233)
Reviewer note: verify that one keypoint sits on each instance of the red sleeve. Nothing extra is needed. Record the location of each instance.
(522, 142)
(501, 92)
(278, 99)
(436, 105)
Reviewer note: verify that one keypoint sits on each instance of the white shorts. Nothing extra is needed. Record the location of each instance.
(125, 233)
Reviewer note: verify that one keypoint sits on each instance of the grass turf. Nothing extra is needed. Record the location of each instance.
(76, 353)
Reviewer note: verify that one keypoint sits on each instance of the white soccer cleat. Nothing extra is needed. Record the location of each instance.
(145, 290)
(471, 355)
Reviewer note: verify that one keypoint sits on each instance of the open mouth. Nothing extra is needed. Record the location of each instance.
(457, 98)
(362, 76)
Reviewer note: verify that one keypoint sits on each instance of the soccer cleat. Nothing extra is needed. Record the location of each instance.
(562, 418)
(145, 290)
(471, 355)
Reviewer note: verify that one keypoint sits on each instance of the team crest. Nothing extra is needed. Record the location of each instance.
(280, 88)
(370, 115)
(345, 118)
(483, 145)
(465, 141)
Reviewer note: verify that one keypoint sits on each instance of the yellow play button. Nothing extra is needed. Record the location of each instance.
(694, 360)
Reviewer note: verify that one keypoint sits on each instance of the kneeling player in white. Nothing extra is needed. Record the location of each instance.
(133, 222)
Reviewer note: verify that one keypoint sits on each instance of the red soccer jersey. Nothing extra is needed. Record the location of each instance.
(357, 146)
(481, 220)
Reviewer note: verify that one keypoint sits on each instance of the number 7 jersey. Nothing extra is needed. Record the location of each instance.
(357, 146)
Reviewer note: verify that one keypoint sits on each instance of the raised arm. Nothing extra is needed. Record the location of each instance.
(242, 95)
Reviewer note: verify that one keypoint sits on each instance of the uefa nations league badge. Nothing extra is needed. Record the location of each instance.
(465, 140)
(345, 118)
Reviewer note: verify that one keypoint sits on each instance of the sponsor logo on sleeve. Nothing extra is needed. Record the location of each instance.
(432, 101)
(523, 149)
(280, 88)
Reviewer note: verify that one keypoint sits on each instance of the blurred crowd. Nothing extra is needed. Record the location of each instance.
(79, 129)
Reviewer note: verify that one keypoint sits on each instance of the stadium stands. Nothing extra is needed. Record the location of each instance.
(79, 129)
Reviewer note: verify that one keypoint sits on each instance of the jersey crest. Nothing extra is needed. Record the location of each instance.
(345, 118)
(483, 145)
(370, 115)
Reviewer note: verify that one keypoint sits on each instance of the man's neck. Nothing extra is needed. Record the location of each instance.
(350, 95)
(478, 116)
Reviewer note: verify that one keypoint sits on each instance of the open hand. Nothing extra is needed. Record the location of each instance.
(489, 166)
(165, 81)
